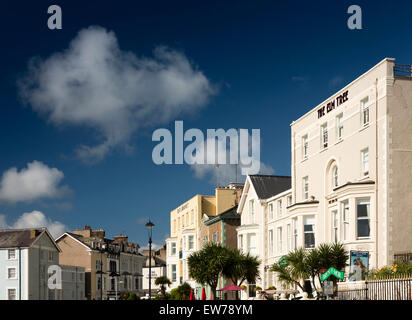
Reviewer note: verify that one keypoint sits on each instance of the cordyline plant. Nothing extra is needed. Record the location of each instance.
(214, 260)
(302, 264)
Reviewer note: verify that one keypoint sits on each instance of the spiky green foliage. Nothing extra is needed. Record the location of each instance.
(163, 281)
(206, 265)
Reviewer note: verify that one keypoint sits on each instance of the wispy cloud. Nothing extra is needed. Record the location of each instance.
(97, 85)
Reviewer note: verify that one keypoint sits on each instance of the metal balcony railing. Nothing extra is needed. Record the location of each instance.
(403, 70)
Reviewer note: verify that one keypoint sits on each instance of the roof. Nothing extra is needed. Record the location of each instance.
(267, 186)
(22, 238)
(228, 214)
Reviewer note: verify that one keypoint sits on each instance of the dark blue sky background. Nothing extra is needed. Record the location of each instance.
(273, 61)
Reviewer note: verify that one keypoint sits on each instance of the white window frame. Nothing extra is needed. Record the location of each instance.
(270, 238)
(335, 176)
(270, 211)
(365, 162)
(279, 206)
(289, 236)
(279, 236)
(251, 249)
(215, 237)
(305, 189)
(289, 200)
(191, 243)
(173, 248)
(345, 220)
(308, 232)
(295, 233)
(173, 273)
(365, 111)
(324, 135)
(8, 295)
(8, 273)
(8, 254)
(240, 246)
(335, 226)
(368, 217)
(251, 211)
(305, 146)
(339, 126)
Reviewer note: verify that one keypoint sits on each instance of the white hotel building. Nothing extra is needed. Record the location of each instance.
(351, 175)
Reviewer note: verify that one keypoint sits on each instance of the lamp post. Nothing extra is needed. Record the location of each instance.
(149, 227)
(102, 247)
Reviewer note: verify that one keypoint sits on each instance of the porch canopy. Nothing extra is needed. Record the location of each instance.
(231, 287)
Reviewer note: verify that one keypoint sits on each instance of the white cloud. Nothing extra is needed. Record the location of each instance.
(31, 183)
(95, 84)
(223, 174)
(34, 219)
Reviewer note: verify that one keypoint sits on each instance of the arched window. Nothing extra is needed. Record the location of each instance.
(335, 176)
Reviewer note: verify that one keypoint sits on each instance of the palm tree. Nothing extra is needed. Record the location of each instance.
(163, 281)
(240, 267)
(303, 264)
(295, 270)
(206, 265)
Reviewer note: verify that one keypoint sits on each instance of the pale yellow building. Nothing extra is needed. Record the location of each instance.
(185, 223)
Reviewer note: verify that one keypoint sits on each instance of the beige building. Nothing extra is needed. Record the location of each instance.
(352, 166)
(351, 176)
(185, 222)
(111, 266)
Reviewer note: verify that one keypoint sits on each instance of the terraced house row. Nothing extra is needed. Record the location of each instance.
(351, 176)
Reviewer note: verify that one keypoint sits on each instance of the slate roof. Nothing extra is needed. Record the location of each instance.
(229, 213)
(15, 238)
(268, 186)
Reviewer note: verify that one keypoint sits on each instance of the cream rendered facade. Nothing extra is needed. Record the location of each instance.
(351, 177)
(185, 222)
(260, 218)
(355, 185)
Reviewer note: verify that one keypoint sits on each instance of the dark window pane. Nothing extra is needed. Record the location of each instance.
(309, 240)
(362, 210)
(308, 227)
(363, 228)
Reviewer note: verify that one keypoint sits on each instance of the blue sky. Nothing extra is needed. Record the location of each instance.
(260, 64)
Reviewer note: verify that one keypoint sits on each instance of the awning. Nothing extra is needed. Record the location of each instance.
(231, 287)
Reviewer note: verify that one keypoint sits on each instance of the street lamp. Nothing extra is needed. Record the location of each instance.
(149, 227)
(102, 247)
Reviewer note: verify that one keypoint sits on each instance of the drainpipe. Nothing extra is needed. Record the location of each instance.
(377, 172)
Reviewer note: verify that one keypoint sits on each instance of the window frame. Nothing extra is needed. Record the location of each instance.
(324, 135)
(335, 176)
(8, 254)
(8, 273)
(279, 236)
(364, 105)
(335, 226)
(8, 293)
(368, 217)
(251, 211)
(339, 127)
(345, 219)
(305, 185)
(271, 243)
(294, 233)
(305, 146)
(313, 231)
(364, 173)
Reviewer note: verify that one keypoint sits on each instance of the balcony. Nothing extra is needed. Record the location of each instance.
(402, 70)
